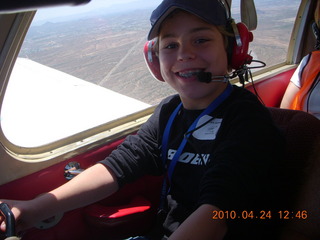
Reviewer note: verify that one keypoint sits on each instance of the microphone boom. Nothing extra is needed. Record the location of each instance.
(207, 77)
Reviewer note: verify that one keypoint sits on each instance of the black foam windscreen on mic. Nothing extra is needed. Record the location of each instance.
(204, 77)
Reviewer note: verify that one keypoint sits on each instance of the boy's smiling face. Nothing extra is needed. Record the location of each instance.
(187, 45)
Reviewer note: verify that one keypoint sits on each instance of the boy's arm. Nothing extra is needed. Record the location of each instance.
(90, 186)
(200, 225)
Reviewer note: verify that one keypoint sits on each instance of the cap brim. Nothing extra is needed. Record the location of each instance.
(154, 31)
(210, 11)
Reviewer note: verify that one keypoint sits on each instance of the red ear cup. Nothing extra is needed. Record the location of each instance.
(152, 60)
(240, 54)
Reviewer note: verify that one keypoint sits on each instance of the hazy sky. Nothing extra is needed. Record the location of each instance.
(103, 6)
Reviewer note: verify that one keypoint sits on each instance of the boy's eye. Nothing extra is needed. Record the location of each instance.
(201, 40)
(171, 46)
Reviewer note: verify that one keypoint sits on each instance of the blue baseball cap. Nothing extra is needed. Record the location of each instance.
(211, 11)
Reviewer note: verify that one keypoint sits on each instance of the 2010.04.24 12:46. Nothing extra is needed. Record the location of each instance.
(263, 214)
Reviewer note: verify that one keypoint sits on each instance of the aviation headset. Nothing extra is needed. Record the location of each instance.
(237, 49)
(316, 25)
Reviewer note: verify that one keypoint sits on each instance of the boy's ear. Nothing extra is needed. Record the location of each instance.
(152, 60)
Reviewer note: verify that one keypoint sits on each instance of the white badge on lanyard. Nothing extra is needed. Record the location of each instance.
(210, 128)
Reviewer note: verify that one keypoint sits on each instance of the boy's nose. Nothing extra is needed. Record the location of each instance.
(186, 53)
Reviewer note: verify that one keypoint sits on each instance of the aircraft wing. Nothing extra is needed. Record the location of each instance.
(62, 105)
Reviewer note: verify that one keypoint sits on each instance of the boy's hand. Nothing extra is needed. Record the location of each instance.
(16, 208)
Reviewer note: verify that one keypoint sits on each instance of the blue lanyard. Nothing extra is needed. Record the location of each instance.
(164, 151)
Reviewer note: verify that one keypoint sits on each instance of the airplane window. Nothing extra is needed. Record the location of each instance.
(80, 67)
(275, 24)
